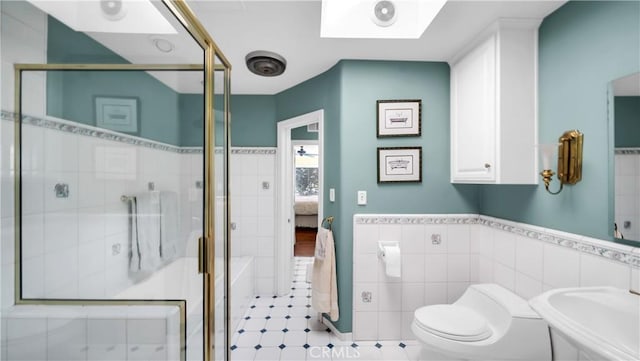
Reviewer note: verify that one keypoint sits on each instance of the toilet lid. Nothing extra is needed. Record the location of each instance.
(453, 322)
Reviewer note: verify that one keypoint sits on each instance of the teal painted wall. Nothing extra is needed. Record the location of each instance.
(301, 133)
(627, 121)
(253, 121)
(582, 47)
(348, 94)
(191, 121)
(71, 94)
(362, 84)
(64, 45)
(157, 103)
(323, 92)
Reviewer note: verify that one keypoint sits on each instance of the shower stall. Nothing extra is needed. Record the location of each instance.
(114, 158)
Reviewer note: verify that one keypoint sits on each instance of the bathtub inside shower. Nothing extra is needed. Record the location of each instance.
(180, 280)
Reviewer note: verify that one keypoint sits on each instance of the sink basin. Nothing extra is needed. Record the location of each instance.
(602, 321)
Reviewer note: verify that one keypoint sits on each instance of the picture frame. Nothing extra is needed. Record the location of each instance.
(119, 114)
(399, 164)
(399, 118)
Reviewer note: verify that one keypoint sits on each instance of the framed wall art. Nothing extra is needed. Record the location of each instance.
(118, 114)
(400, 164)
(399, 118)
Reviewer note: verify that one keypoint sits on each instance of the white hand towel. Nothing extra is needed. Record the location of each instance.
(169, 243)
(321, 243)
(324, 286)
(144, 254)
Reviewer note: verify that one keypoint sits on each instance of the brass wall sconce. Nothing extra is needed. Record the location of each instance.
(569, 160)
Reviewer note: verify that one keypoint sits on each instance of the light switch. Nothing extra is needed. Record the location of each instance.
(362, 198)
(332, 194)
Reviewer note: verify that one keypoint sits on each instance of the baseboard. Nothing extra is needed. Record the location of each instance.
(346, 336)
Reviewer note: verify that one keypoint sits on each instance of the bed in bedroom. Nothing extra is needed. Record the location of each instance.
(306, 211)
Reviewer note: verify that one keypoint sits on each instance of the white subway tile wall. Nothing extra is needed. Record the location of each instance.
(470, 249)
(87, 232)
(252, 197)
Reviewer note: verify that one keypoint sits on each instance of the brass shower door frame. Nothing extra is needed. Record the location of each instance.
(187, 18)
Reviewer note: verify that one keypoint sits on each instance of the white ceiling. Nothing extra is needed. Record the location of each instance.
(292, 29)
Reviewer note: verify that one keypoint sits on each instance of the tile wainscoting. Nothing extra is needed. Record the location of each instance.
(442, 255)
(252, 196)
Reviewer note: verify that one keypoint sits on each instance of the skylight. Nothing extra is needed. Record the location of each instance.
(381, 19)
(108, 16)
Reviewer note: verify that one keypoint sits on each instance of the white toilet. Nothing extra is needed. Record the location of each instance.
(488, 322)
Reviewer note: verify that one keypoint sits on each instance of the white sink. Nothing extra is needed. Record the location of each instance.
(602, 321)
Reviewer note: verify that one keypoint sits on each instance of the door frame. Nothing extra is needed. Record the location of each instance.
(285, 225)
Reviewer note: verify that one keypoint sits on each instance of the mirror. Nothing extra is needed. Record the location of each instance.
(626, 115)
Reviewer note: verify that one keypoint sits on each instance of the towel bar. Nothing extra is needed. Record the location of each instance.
(328, 220)
(124, 198)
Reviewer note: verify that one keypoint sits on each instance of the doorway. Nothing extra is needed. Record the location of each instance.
(285, 205)
(305, 207)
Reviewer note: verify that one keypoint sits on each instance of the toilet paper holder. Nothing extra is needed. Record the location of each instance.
(384, 244)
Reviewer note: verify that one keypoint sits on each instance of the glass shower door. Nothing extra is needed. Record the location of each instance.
(110, 164)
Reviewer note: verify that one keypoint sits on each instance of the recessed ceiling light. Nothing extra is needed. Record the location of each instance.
(381, 19)
(162, 44)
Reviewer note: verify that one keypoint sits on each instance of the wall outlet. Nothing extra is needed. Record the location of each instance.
(362, 198)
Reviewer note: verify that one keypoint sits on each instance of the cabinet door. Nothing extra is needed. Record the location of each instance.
(473, 116)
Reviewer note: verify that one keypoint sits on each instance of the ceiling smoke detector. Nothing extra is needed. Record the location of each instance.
(162, 44)
(265, 63)
(384, 13)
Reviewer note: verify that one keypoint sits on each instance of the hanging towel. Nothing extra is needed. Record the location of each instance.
(144, 251)
(324, 287)
(169, 245)
(321, 243)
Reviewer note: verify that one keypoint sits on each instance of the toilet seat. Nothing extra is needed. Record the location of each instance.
(453, 322)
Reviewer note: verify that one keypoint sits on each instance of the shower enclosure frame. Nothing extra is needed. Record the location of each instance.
(206, 250)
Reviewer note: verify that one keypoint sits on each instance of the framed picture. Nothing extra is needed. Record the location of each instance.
(399, 118)
(400, 164)
(117, 113)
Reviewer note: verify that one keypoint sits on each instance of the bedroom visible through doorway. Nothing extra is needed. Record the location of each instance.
(305, 155)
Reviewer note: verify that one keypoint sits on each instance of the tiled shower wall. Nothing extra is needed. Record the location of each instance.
(526, 259)
(252, 196)
(627, 189)
(77, 246)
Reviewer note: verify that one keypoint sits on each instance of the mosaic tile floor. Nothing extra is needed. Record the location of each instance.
(287, 328)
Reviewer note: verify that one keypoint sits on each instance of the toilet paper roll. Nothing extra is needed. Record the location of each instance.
(392, 261)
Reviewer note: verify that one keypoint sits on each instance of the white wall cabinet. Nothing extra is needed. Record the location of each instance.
(494, 106)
